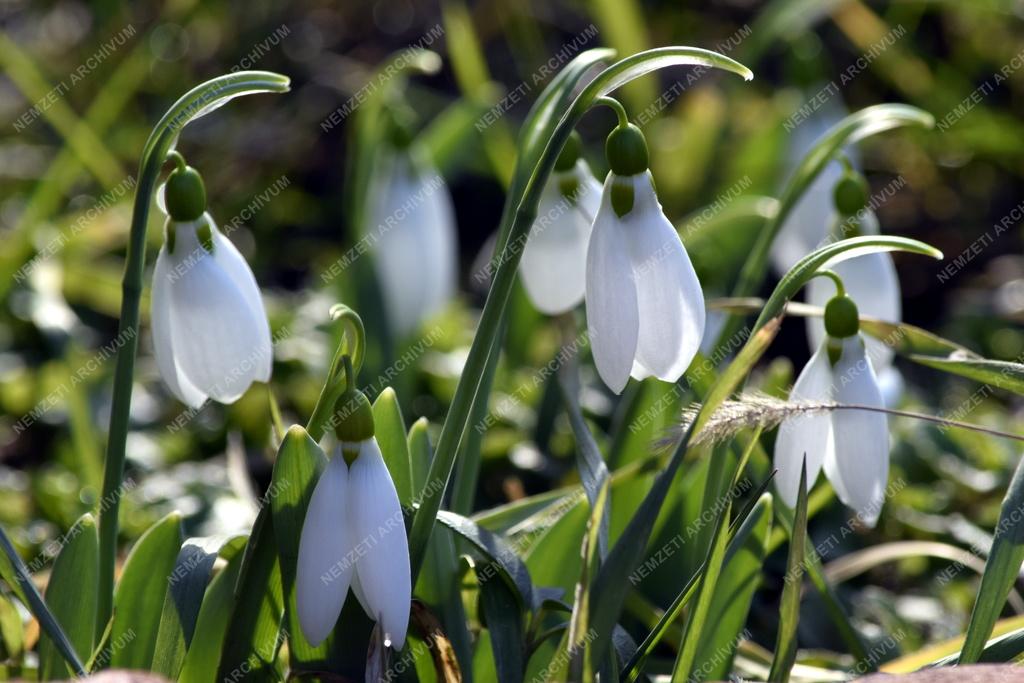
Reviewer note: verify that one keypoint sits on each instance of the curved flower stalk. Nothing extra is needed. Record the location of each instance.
(411, 225)
(852, 446)
(870, 280)
(645, 306)
(354, 534)
(197, 102)
(210, 330)
(807, 225)
(554, 263)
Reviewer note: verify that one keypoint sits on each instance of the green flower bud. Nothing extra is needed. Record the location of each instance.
(571, 152)
(851, 193)
(626, 149)
(353, 418)
(185, 195)
(841, 317)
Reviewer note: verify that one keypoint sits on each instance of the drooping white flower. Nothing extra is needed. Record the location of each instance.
(645, 306)
(852, 446)
(354, 536)
(411, 225)
(806, 227)
(210, 331)
(554, 261)
(872, 283)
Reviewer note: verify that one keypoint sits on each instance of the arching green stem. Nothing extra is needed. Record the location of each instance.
(348, 359)
(834, 276)
(197, 102)
(614, 104)
(455, 423)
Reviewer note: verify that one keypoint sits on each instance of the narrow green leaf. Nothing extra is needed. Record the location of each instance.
(47, 622)
(789, 603)
(420, 452)
(579, 624)
(211, 624)
(592, 469)
(696, 622)
(139, 598)
(495, 555)
(1002, 374)
(253, 634)
(186, 588)
(1001, 568)
(741, 576)
(439, 584)
(389, 428)
(607, 593)
(12, 631)
(76, 566)
(503, 616)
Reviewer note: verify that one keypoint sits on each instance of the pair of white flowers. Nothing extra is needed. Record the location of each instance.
(851, 446)
(615, 248)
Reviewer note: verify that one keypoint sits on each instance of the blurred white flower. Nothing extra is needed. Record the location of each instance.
(411, 225)
(554, 262)
(210, 330)
(806, 227)
(871, 282)
(852, 446)
(645, 306)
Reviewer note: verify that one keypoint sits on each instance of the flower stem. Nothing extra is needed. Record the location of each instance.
(620, 111)
(201, 99)
(834, 276)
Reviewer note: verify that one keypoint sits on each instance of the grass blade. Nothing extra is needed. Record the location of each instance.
(1001, 568)
(789, 604)
(47, 622)
(76, 566)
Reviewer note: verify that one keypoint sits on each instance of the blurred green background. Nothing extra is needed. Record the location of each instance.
(82, 84)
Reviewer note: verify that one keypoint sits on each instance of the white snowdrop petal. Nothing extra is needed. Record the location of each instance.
(613, 316)
(411, 226)
(669, 295)
(378, 527)
(357, 590)
(554, 262)
(235, 265)
(213, 327)
(439, 243)
(326, 562)
(861, 437)
(872, 282)
(808, 435)
(807, 224)
(163, 348)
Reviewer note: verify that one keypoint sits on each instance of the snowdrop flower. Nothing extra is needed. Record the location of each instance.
(354, 535)
(210, 332)
(852, 446)
(870, 280)
(645, 307)
(806, 227)
(411, 225)
(554, 261)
